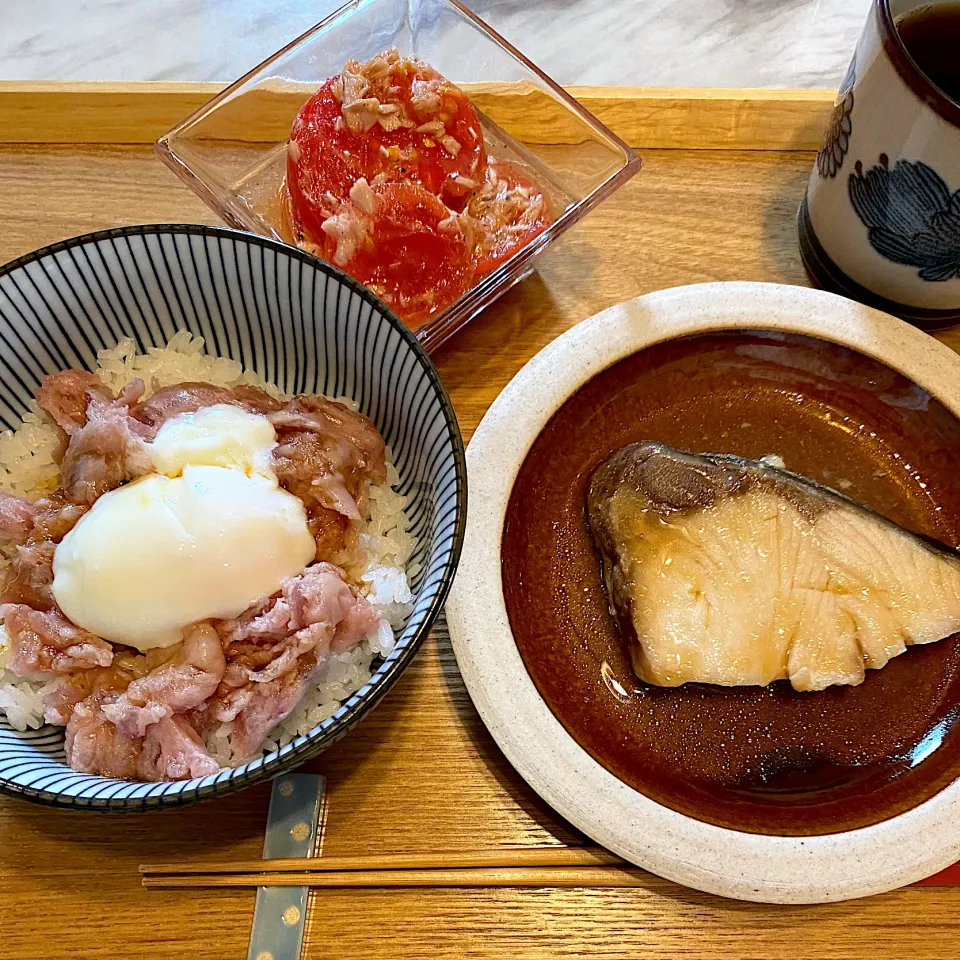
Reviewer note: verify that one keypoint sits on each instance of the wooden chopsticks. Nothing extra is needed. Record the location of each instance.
(518, 867)
(522, 867)
(476, 877)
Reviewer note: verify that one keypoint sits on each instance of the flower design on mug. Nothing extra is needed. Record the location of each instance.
(836, 141)
(910, 215)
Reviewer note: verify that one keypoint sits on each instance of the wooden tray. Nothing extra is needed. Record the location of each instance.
(723, 173)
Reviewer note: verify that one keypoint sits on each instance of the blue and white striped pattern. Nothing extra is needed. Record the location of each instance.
(299, 323)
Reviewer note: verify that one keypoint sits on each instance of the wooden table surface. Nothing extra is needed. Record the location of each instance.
(421, 774)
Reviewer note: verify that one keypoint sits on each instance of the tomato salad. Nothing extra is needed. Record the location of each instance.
(388, 177)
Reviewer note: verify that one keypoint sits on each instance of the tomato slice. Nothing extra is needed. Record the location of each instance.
(389, 119)
(388, 178)
(407, 250)
(508, 212)
(324, 160)
(445, 150)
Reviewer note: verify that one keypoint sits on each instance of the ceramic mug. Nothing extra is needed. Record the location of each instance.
(880, 221)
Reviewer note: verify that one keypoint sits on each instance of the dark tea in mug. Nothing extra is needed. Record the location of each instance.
(931, 35)
(880, 221)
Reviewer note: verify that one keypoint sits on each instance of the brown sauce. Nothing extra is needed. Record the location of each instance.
(770, 759)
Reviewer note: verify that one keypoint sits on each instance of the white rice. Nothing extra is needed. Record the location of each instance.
(27, 468)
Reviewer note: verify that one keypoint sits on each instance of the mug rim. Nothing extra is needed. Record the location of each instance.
(909, 70)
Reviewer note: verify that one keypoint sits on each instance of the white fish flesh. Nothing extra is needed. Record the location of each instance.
(733, 572)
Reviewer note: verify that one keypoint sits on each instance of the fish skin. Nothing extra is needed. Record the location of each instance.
(808, 592)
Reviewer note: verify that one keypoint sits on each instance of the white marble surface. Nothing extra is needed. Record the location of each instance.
(741, 43)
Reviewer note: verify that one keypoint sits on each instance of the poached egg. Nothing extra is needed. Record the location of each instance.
(206, 535)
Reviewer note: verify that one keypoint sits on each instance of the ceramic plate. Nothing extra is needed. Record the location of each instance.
(818, 349)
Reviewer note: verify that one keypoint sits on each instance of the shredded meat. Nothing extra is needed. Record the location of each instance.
(497, 209)
(256, 708)
(189, 676)
(317, 607)
(16, 518)
(70, 688)
(426, 96)
(297, 461)
(349, 227)
(44, 642)
(326, 455)
(94, 745)
(54, 517)
(366, 89)
(274, 650)
(29, 577)
(65, 395)
(361, 115)
(107, 450)
(169, 402)
(49, 518)
(363, 196)
(173, 750)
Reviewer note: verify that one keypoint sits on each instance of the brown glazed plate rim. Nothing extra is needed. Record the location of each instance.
(772, 869)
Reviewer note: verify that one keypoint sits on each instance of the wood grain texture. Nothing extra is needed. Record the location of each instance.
(651, 117)
(421, 774)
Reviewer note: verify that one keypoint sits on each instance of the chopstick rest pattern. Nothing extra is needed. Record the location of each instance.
(294, 829)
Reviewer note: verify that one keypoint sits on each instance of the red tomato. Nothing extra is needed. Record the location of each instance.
(511, 210)
(453, 171)
(323, 157)
(326, 156)
(405, 258)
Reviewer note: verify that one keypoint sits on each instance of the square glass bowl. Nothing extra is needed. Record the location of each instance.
(232, 151)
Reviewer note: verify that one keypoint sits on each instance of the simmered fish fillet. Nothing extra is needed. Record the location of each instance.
(729, 571)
